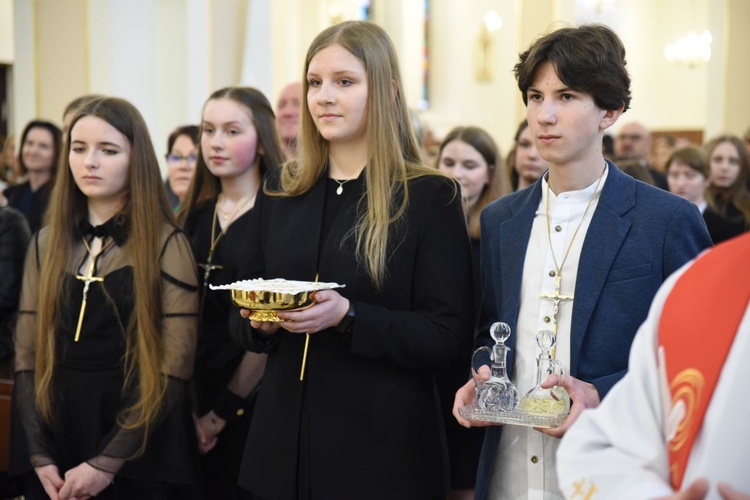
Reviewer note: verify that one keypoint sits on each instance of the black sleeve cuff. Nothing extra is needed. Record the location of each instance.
(229, 406)
(347, 322)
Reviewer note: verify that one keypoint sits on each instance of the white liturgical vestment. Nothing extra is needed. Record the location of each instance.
(618, 451)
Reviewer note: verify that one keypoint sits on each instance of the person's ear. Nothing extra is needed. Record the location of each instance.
(610, 117)
(394, 90)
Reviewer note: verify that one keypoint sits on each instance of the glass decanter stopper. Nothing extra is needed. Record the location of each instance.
(498, 393)
(547, 402)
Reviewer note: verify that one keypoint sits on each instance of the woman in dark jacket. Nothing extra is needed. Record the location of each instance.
(14, 238)
(41, 143)
(358, 208)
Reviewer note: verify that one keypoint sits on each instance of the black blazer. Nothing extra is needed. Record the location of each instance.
(39, 201)
(14, 239)
(722, 228)
(368, 400)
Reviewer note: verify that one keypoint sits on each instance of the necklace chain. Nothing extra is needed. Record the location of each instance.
(214, 237)
(230, 216)
(340, 189)
(101, 250)
(558, 268)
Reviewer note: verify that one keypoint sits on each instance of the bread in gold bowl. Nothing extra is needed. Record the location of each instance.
(264, 298)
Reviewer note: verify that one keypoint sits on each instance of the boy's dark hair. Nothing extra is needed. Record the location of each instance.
(589, 58)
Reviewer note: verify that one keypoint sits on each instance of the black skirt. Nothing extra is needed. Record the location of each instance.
(86, 406)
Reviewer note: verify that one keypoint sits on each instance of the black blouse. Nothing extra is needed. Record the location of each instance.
(101, 345)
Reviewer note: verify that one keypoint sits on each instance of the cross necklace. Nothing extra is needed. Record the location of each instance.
(557, 297)
(87, 280)
(209, 265)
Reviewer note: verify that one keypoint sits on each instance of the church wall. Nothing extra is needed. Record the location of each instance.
(168, 55)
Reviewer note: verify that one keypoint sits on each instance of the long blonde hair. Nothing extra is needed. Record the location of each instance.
(147, 211)
(394, 156)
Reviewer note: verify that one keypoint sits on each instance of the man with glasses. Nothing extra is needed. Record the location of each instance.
(633, 143)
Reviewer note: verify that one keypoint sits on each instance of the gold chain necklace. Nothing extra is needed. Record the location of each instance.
(558, 268)
(556, 298)
(230, 217)
(209, 265)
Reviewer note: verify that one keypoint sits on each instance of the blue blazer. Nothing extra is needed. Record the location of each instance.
(638, 236)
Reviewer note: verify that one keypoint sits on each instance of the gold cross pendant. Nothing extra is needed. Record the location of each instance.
(555, 298)
(87, 280)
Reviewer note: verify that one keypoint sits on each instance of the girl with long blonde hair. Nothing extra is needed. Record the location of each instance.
(106, 330)
(357, 208)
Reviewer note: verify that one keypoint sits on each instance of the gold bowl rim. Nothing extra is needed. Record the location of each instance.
(282, 301)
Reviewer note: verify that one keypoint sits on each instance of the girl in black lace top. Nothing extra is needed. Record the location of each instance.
(107, 325)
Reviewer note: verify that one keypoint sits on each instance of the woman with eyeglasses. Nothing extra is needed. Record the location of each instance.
(181, 160)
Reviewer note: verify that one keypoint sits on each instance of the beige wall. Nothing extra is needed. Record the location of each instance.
(228, 19)
(168, 55)
(6, 32)
(61, 55)
(736, 102)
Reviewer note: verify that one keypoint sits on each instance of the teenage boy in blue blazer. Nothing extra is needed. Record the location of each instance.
(582, 251)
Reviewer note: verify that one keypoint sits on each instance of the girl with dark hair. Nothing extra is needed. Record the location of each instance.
(41, 143)
(238, 144)
(105, 338)
(358, 208)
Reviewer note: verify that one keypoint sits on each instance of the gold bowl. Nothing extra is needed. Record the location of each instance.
(264, 304)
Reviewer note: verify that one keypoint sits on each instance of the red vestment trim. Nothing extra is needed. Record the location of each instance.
(697, 327)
